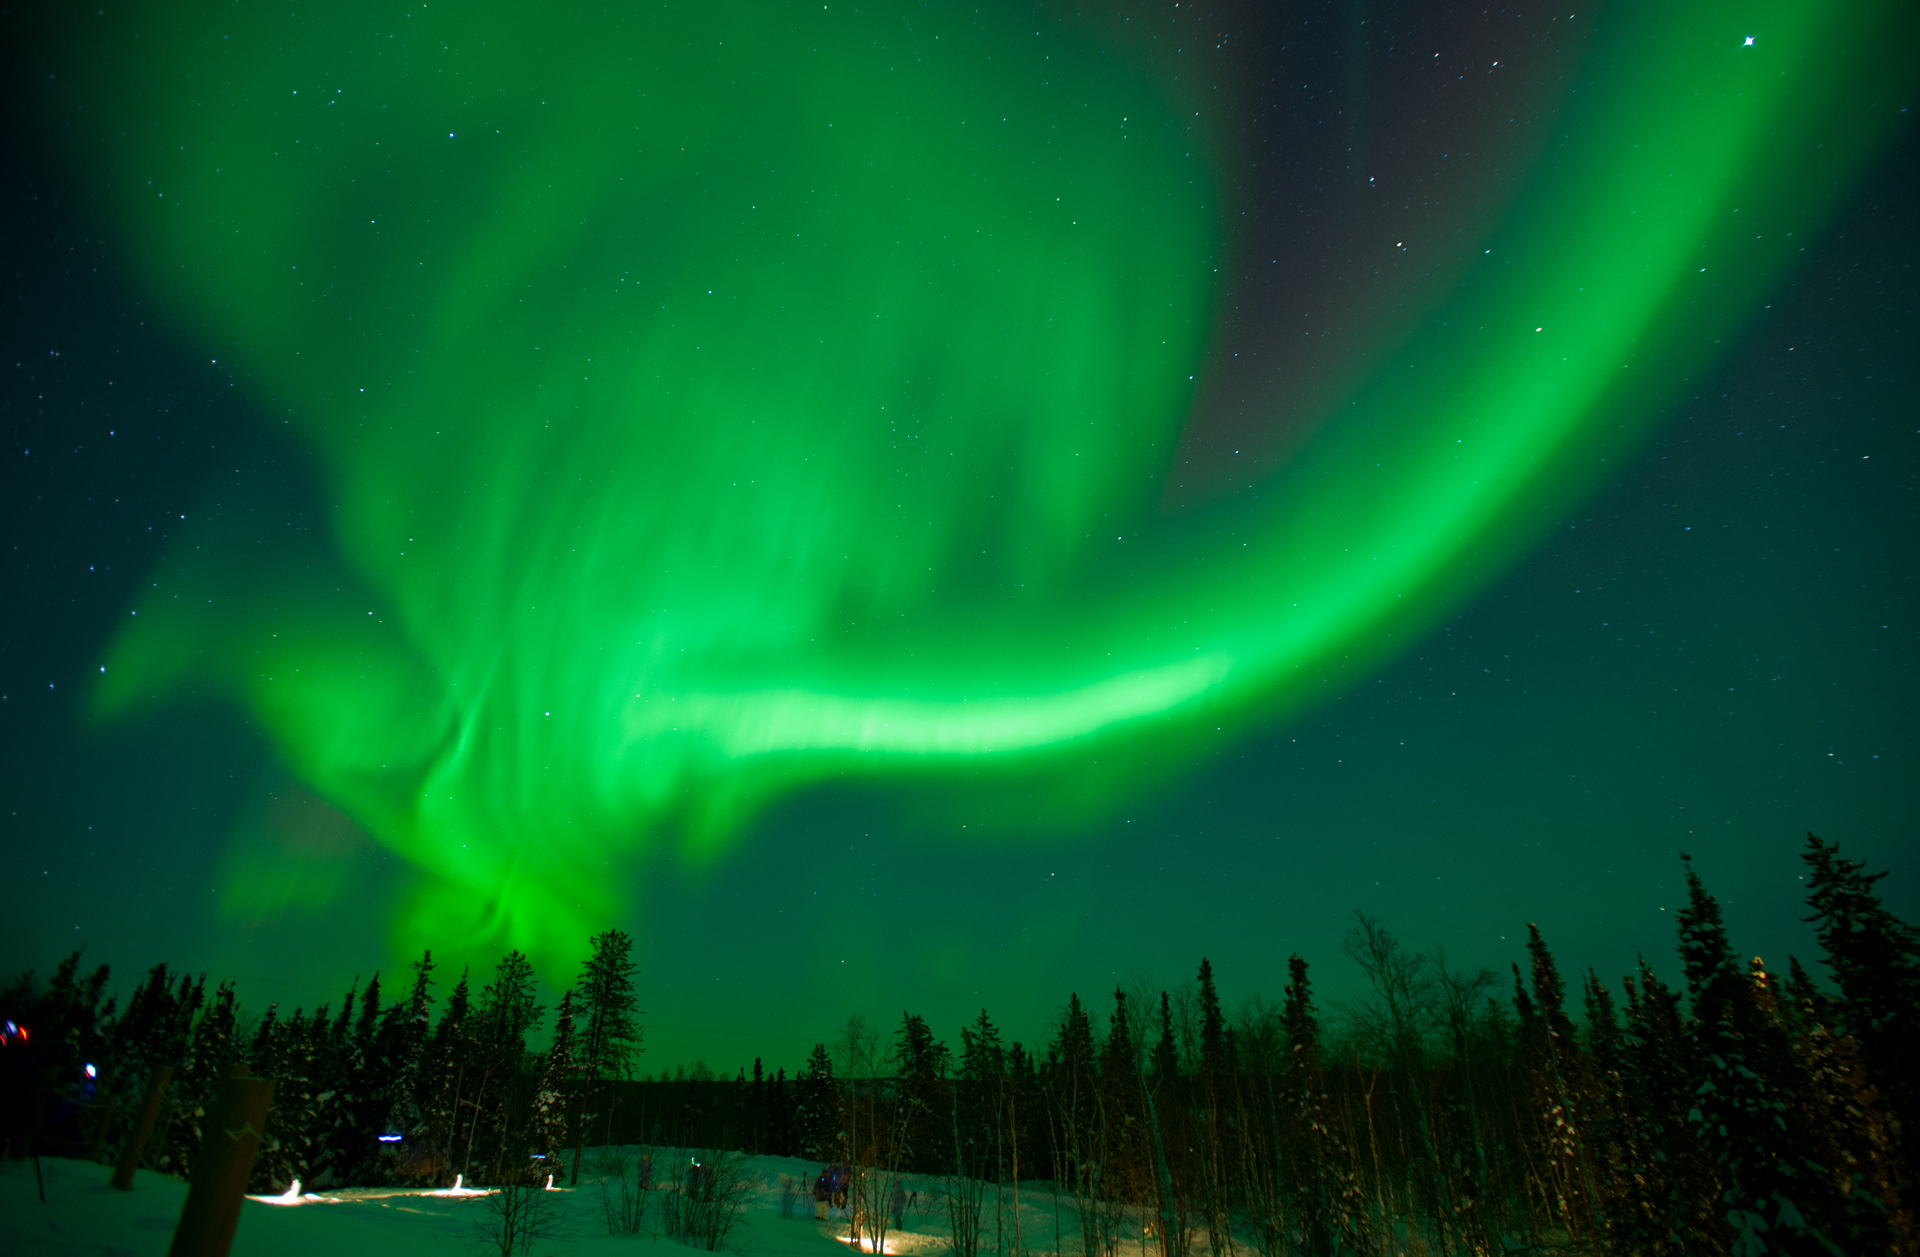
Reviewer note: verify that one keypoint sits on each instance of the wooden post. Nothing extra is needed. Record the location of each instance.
(142, 1129)
(220, 1173)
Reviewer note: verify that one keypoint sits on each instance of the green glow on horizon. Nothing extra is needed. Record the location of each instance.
(707, 406)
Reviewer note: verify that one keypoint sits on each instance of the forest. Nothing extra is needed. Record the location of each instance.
(1447, 1111)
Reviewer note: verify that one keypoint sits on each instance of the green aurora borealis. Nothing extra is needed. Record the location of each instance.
(714, 404)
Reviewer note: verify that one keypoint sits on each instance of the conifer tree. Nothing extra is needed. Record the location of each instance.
(406, 1033)
(1680, 1182)
(780, 1125)
(1117, 1052)
(258, 1052)
(1875, 960)
(263, 1058)
(1072, 1129)
(1460, 995)
(1618, 1151)
(207, 1057)
(549, 1128)
(1213, 1025)
(1022, 1148)
(507, 1008)
(609, 1011)
(1741, 1110)
(507, 1078)
(450, 1073)
(920, 1064)
(1166, 1055)
(1845, 1129)
(1556, 1054)
(282, 1051)
(757, 1111)
(818, 1112)
(142, 1038)
(333, 1047)
(362, 1098)
(1120, 1099)
(1310, 1134)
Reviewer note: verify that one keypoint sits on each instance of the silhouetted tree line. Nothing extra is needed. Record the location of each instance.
(373, 1093)
(1747, 1113)
(1744, 1114)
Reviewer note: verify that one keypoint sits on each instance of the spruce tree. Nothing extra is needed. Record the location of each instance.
(548, 1133)
(781, 1124)
(1617, 1153)
(1555, 1050)
(1166, 1055)
(1313, 1154)
(609, 1011)
(1070, 1083)
(920, 1064)
(1120, 1090)
(981, 1116)
(507, 1077)
(294, 1098)
(1117, 1053)
(1875, 960)
(1846, 1131)
(1213, 1025)
(1767, 1186)
(1073, 1049)
(363, 1099)
(276, 1054)
(817, 1111)
(141, 1040)
(450, 1073)
(208, 1054)
(1682, 1186)
(406, 1033)
(332, 1099)
(757, 1111)
(507, 1009)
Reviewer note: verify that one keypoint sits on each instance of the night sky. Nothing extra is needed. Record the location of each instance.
(942, 590)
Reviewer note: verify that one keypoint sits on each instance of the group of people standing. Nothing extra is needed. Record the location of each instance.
(830, 1196)
(830, 1192)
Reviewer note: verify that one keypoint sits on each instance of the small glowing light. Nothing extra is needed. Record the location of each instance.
(92, 1072)
(294, 1195)
(1749, 42)
(550, 1186)
(460, 1188)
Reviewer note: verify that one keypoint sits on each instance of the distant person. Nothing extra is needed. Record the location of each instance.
(899, 1203)
(822, 1192)
(841, 1178)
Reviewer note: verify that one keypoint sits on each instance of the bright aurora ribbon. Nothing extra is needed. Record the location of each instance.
(709, 402)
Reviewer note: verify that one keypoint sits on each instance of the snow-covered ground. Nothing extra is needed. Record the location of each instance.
(83, 1215)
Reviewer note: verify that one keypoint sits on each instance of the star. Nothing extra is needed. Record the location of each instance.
(1749, 42)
